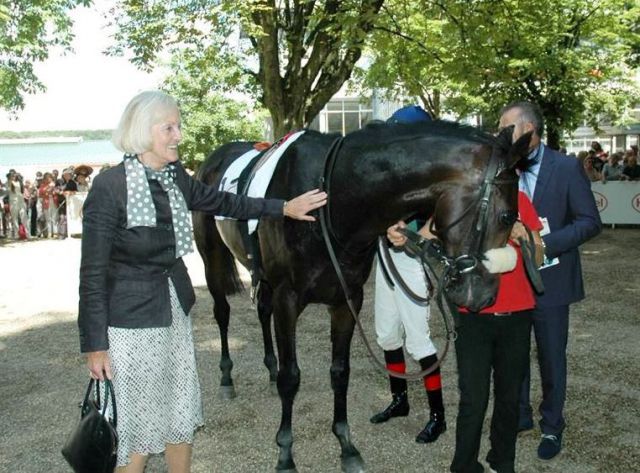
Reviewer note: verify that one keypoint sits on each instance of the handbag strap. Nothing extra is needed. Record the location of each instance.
(108, 393)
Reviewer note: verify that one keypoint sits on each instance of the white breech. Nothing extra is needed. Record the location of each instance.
(398, 318)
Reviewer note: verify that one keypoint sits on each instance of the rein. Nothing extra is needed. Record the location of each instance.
(325, 184)
(327, 233)
(392, 275)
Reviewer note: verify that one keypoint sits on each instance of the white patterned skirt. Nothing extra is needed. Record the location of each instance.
(156, 384)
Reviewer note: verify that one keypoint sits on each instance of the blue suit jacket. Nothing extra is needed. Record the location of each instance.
(563, 195)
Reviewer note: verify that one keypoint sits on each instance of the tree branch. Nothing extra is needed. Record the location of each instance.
(411, 40)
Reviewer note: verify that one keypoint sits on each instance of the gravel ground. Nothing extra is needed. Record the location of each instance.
(42, 377)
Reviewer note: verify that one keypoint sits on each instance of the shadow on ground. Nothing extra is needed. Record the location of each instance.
(42, 380)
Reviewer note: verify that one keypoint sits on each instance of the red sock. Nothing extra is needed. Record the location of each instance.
(433, 381)
(397, 367)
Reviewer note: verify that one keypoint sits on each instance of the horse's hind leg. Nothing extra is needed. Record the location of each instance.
(286, 311)
(265, 309)
(342, 325)
(222, 279)
(221, 311)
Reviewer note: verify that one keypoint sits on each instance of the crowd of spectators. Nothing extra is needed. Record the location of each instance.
(618, 166)
(37, 208)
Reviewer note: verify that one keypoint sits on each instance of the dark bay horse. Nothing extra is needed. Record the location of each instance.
(381, 174)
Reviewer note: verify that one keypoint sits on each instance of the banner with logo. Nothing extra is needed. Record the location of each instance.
(74, 213)
(618, 201)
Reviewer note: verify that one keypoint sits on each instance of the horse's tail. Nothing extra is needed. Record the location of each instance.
(219, 264)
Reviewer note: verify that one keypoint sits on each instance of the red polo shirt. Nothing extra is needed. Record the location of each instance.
(515, 292)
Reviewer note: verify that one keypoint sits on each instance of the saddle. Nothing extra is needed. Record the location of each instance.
(250, 239)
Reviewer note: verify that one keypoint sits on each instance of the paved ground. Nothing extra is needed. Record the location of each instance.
(42, 377)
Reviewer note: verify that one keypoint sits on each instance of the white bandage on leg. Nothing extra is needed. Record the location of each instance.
(500, 260)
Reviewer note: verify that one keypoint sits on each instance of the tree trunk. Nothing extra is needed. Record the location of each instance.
(553, 137)
(303, 64)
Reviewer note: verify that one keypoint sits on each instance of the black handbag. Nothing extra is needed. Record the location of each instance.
(92, 447)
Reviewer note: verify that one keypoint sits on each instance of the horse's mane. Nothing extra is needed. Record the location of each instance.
(389, 132)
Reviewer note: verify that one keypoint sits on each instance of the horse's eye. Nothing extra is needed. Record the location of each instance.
(508, 217)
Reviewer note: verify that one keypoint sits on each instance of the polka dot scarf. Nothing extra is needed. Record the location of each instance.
(140, 209)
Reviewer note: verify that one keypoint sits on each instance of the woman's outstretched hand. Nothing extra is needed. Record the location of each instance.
(299, 207)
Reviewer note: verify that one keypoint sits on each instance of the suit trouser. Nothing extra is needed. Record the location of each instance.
(486, 343)
(551, 329)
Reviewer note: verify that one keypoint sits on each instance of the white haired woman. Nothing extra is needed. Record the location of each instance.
(135, 292)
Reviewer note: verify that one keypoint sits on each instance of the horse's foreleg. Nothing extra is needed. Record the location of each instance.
(265, 309)
(342, 325)
(286, 311)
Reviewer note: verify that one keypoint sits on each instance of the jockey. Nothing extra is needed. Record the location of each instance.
(401, 321)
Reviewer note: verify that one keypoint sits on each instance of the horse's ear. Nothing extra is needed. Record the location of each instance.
(504, 138)
(519, 150)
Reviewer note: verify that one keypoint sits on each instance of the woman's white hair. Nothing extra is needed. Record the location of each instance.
(133, 135)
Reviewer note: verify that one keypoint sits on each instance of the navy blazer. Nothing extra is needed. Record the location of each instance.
(124, 272)
(563, 195)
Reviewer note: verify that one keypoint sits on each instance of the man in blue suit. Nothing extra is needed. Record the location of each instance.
(561, 194)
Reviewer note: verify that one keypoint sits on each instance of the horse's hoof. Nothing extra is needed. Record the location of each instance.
(273, 387)
(290, 467)
(227, 392)
(354, 464)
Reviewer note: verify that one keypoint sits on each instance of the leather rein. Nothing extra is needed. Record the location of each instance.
(425, 249)
(328, 234)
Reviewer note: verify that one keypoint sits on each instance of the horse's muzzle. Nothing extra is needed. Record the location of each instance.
(474, 289)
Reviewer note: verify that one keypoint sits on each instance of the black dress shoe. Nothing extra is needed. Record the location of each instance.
(399, 407)
(433, 429)
(550, 446)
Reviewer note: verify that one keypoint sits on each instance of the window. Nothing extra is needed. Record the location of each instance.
(343, 115)
(334, 122)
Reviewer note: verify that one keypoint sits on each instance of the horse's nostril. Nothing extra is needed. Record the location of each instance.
(490, 301)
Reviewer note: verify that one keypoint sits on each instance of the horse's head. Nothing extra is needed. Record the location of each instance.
(471, 219)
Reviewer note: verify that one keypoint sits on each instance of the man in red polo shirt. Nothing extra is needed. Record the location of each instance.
(495, 339)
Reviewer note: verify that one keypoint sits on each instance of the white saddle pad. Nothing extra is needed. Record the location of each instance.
(262, 176)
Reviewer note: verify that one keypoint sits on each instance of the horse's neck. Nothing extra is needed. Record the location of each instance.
(371, 192)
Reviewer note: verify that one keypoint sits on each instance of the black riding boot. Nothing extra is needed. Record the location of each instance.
(433, 429)
(433, 384)
(399, 406)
